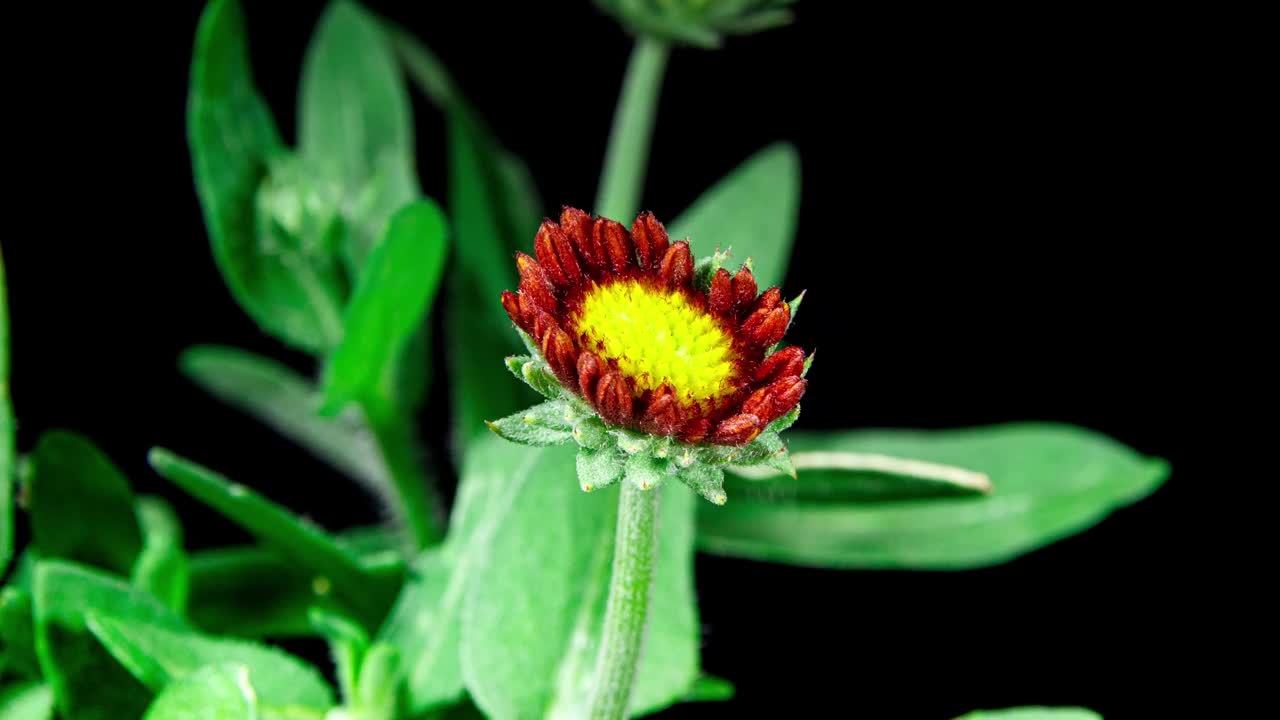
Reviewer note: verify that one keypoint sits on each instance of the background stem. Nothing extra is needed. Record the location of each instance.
(635, 554)
(416, 505)
(624, 165)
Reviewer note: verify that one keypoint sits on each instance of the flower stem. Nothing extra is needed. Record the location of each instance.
(635, 554)
(628, 153)
(417, 506)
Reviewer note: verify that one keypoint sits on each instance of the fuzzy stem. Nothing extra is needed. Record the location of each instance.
(417, 506)
(635, 555)
(623, 178)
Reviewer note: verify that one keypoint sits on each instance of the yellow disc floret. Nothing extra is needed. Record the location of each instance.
(657, 337)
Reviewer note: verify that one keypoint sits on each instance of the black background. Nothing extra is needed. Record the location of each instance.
(987, 227)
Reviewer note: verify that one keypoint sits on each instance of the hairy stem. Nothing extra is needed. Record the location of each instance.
(635, 555)
(628, 153)
(416, 505)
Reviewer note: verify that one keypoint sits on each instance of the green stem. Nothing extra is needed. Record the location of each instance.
(635, 555)
(417, 506)
(628, 153)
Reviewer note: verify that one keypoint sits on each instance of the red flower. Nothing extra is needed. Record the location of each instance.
(623, 324)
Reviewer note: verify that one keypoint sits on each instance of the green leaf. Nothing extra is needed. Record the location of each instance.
(1050, 481)
(542, 424)
(535, 606)
(253, 591)
(30, 701)
(216, 692)
(368, 593)
(87, 683)
(753, 210)
(348, 642)
(17, 635)
(392, 297)
(287, 403)
(161, 567)
(81, 506)
(425, 624)
(284, 282)
(6, 434)
(709, 688)
(1033, 713)
(836, 476)
(157, 657)
(355, 127)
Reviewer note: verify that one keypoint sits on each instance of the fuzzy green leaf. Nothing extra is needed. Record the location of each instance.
(87, 683)
(284, 282)
(355, 127)
(1050, 481)
(753, 209)
(542, 424)
(645, 471)
(706, 480)
(392, 297)
(425, 624)
(161, 567)
(368, 593)
(6, 434)
(835, 475)
(81, 505)
(253, 591)
(217, 692)
(287, 403)
(1034, 713)
(28, 701)
(535, 607)
(156, 657)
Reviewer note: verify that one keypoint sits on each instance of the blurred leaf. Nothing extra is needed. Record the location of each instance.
(354, 122)
(87, 683)
(6, 434)
(216, 692)
(368, 593)
(534, 608)
(161, 567)
(81, 506)
(1033, 713)
(1050, 481)
(253, 591)
(29, 701)
(835, 476)
(17, 635)
(157, 657)
(392, 297)
(288, 404)
(284, 283)
(752, 210)
(709, 688)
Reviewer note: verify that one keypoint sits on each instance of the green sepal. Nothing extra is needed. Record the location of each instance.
(785, 421)
(533, 371)
(767, 450)
(543, 424)
(807, 363)
(591, 433)
(706, 268)
(599, 468)
(706, 480)
(645, 471)
(634, 443)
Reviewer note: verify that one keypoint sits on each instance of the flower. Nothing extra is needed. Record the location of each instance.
(701, 23)
(644, 353)
(621, 324)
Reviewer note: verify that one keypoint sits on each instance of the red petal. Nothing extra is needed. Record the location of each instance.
(676, 268)
(721, 295)
(567, 257)
(695, 431)
(737, 430)
(744, 289)
(616, 242)
(511, 303)
(534, 283)
(773, 327)
(561, 355)
(613, 399)
(588, 375)
(543, 247)
(650, 238)
(787, 361)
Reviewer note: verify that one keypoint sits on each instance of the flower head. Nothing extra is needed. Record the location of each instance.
(663, 351)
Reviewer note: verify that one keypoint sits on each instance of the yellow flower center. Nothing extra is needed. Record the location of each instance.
(657, 337)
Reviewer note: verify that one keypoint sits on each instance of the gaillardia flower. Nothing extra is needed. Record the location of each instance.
(644, 354)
